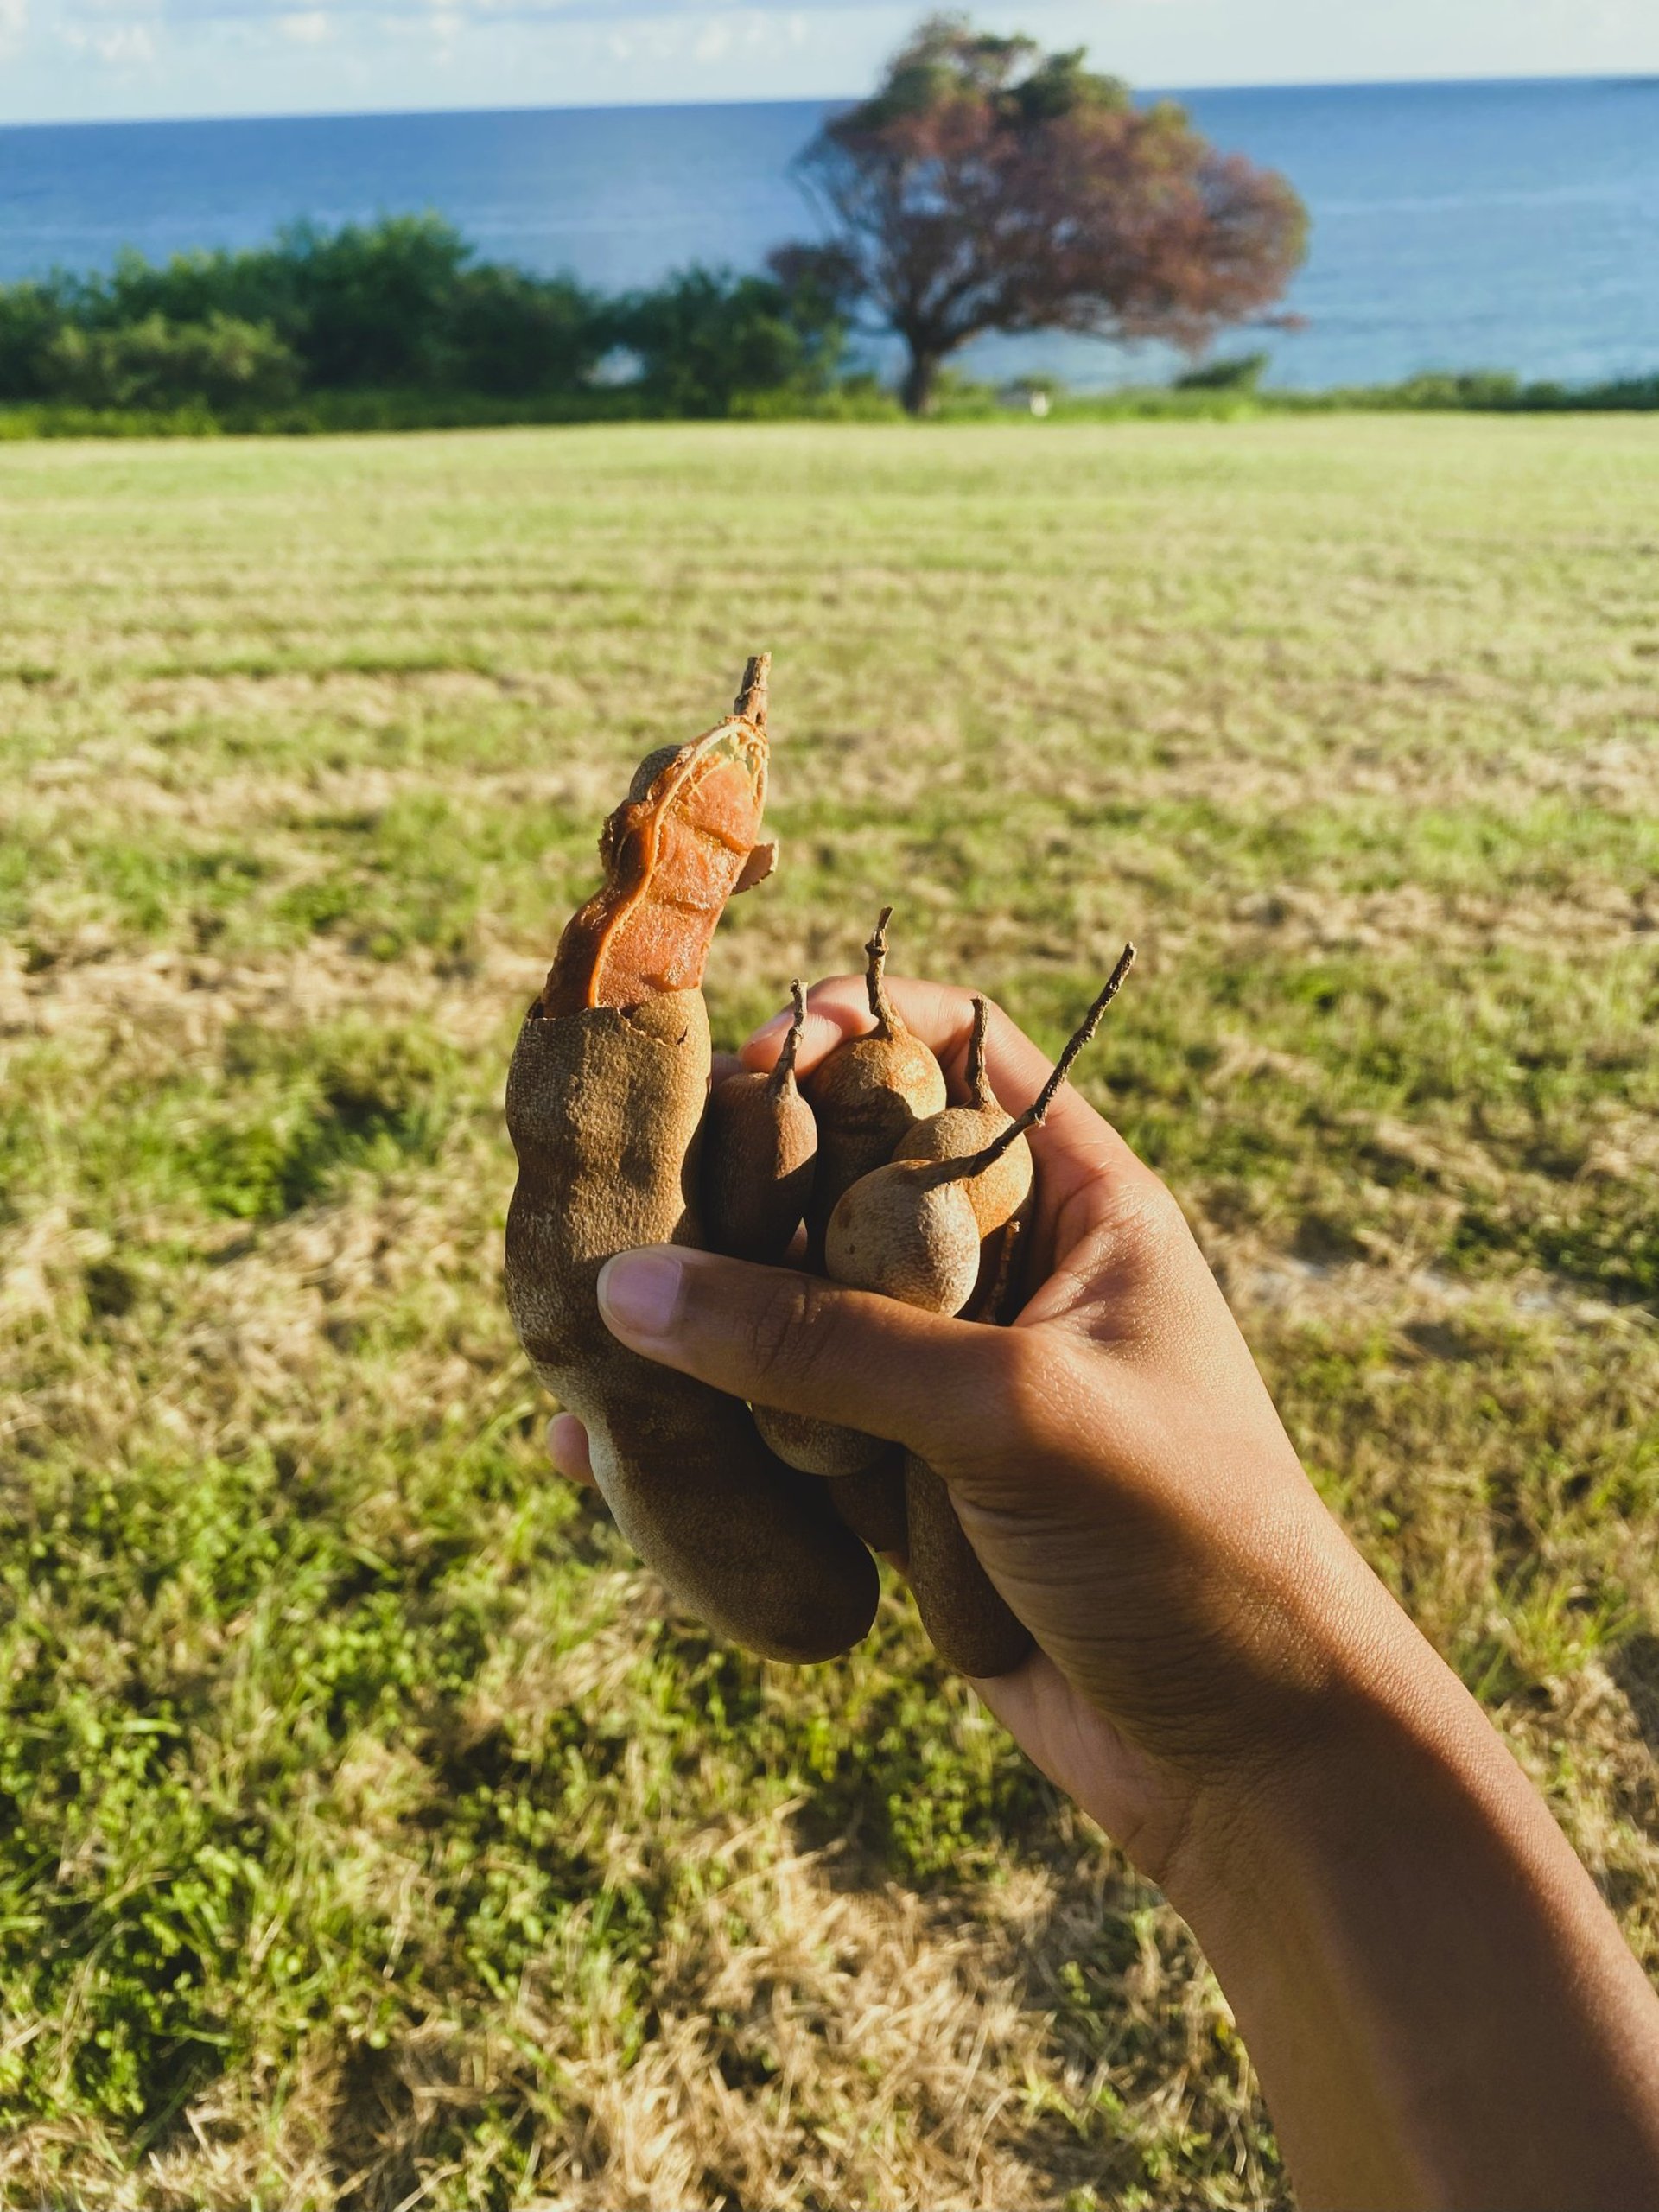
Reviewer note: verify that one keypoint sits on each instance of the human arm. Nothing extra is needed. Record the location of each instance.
(1439, 2005)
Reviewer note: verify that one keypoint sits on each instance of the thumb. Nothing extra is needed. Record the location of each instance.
(806, 1346)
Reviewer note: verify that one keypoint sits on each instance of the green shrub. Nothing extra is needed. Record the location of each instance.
(155, 364)
(1240, 372)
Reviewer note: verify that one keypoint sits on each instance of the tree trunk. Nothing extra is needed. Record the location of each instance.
(916, 393)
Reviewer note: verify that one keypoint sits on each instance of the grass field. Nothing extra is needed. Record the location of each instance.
(368, 1836)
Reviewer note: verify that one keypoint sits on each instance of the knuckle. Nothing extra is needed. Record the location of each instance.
(1151, 1222)
(790, 1329)
(1003, 1398)
(1024, 1385)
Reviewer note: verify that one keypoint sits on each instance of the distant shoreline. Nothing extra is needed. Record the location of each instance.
(1635, 80)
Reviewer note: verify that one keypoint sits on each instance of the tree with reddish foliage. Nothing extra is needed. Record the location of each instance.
(989, 186)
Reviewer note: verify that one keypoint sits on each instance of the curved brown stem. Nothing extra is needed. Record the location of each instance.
(752, 700)
(964, 1171)
(978, 1082)
(875, 977)
(785, 1067)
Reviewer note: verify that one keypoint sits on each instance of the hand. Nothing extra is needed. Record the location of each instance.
(1438, 2003)
(1115, 1457)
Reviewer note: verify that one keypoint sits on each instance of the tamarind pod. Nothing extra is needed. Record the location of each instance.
(905, 1232)
(759, 1158)
(999, 1292)
(604, 1107)
(817, 1447)
(866, 1093)
(1003, 1189)
(966, 1618)
(872, 1502)
(760, 1154)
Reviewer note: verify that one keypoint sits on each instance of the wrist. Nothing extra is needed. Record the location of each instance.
(1358, 1698)
(1387, 1904)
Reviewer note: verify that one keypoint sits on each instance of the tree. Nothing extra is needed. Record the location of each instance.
(989, 186)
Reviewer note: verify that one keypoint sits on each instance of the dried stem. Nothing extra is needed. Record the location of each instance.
(978, 1084)
(751, 701)
(875, 977)
(783, 1068)
(952, 1171)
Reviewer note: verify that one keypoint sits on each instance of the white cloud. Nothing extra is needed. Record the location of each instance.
(124, 46)
(229, 57)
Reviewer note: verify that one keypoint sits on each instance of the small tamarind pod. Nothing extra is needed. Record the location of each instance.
(967, 1621)
(909, 1230)
(760, 1148)
(605, 1097)
(817, 1447)
(1002, 1194)
(868, 1091)
(998, 1193)
(872, 1502)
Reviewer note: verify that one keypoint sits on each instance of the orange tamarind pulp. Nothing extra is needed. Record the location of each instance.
(674, 852)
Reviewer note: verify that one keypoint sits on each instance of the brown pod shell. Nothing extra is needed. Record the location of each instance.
(759, 1151)
(817, 1447)
(604, 1106)
(966, 1618)
(871, 1504)
(902, 1232)
(998, 1295)
(997, 1192)
(869, 1092)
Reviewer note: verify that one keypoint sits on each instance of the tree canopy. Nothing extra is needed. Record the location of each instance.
(986, 185)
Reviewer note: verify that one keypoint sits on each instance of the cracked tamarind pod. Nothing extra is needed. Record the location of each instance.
(606, 1099)
(759, 1150)
(911, 1231)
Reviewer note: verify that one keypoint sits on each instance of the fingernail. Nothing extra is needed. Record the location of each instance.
(640, 1294)
(777, 1027)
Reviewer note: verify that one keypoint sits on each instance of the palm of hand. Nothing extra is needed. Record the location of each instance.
(1123, 1375)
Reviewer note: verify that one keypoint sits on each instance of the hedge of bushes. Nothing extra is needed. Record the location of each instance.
(401, 306)
(397, 325)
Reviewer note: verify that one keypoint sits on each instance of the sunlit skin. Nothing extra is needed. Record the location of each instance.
(1442, 2009)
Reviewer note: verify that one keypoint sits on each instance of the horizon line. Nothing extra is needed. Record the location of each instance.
(1638, 77)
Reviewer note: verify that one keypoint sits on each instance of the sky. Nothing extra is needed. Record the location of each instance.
(85, 59)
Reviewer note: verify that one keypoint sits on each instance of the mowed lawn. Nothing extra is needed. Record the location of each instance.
(369, 1835)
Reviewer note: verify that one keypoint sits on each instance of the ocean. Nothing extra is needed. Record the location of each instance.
(1454, 225)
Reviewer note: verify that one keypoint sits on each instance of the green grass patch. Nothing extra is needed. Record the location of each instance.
(369, 1833)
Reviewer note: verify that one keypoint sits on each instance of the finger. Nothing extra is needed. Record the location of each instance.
(725, 1064)
(777, 1338)
(567, 1447)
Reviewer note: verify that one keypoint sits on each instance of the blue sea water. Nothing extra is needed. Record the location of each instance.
(1503, 224)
